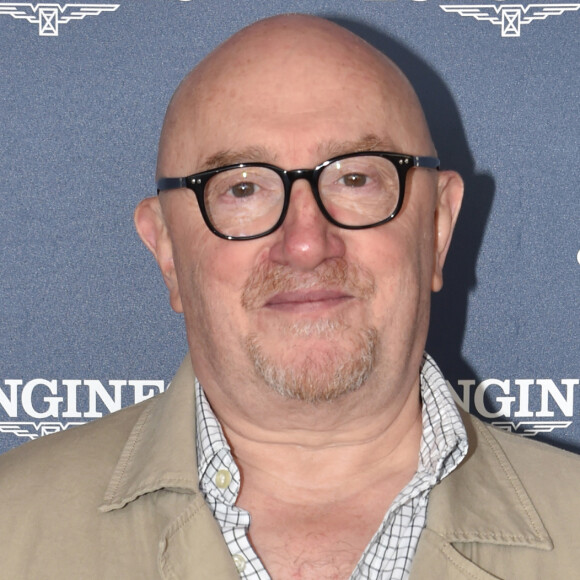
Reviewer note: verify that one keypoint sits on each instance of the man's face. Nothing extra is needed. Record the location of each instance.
(313, 311)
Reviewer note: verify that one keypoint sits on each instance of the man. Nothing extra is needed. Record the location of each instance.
(316, 440)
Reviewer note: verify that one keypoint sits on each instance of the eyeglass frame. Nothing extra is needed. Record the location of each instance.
(197, 182)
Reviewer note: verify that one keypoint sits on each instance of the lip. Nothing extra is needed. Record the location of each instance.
(306, 300)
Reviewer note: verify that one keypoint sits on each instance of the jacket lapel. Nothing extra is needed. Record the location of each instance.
(482, 502)
(436, 558)
(160, 454)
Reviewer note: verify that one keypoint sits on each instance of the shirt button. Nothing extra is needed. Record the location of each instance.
(240, 562)
(223, 478)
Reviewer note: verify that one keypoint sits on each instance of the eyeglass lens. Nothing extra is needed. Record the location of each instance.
(355, 191)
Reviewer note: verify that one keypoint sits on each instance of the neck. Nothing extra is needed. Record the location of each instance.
(318, 480)
(306, 457)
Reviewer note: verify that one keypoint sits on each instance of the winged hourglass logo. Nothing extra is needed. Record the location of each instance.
(510, 17)
(49, 16)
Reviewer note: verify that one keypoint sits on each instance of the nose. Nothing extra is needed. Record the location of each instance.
(306, 238)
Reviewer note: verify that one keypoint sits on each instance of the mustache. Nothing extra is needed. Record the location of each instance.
(268, 279)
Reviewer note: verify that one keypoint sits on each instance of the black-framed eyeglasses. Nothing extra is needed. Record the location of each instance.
(250, 200)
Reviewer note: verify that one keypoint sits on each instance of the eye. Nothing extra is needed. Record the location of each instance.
(243, 189)
(354, 179)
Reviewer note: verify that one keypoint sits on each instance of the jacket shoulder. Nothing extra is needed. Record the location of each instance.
(35, 471)
(538, 464)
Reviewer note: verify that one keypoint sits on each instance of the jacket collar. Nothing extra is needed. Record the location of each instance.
(159, 453)
(489, 502)
(483, 501)
(155, 458)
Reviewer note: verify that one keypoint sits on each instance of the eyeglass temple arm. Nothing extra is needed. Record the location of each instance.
(430, 162)
(171, 183)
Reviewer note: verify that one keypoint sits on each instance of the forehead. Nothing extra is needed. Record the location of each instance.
(291, 100)
(255, 122)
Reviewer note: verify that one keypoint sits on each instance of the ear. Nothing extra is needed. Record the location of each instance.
(152, 230)
(449, 196)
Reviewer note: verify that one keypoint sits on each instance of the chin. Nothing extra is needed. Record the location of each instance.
(312, 370)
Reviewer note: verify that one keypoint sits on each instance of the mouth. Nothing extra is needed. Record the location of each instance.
(275, 287)
(307, 300)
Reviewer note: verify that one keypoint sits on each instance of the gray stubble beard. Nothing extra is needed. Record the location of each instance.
(316, 381)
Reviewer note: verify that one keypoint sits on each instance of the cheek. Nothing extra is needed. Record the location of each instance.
(201, 259)
(402, 264)
(211, 278)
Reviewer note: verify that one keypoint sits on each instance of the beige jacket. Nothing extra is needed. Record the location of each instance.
(118, 499)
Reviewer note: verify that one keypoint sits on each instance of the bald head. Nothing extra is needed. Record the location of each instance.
(291, 67)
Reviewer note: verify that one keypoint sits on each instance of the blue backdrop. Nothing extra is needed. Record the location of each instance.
(85, 322)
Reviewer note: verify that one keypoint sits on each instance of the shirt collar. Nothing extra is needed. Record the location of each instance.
(443, 442)
(210, 439)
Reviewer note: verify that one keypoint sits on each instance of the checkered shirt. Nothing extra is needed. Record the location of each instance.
(390, 552)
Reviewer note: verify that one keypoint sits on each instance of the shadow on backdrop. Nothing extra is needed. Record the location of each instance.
(449, 307)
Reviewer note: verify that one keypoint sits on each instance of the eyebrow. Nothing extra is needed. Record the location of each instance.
(369, 142)
(326, 149)
(231, 157)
